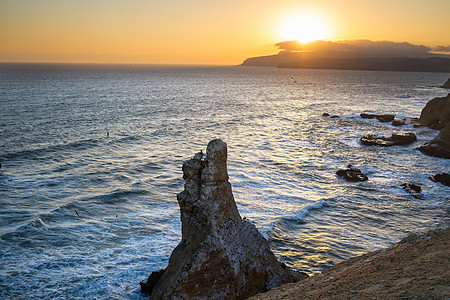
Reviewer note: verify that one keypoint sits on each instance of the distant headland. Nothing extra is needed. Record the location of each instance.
(355, 55)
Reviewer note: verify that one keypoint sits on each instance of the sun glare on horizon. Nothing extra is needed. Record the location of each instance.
(303, 27)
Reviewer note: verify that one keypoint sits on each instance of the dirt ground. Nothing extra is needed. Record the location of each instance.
(415, 268)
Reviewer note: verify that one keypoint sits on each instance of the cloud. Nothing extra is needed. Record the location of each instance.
(441, 48)
(363, 48)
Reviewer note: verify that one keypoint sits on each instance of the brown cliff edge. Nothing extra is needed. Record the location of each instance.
(415, 268)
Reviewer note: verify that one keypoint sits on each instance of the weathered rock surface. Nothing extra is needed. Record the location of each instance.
(220, 256)
(394, 139)
(439, 146)
(436, 114)
(352, 174)
(443, 178)
(413, 189)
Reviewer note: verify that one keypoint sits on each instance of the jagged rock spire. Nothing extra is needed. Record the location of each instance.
(220, 256)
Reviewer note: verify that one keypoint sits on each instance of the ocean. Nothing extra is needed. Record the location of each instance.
(91, 164)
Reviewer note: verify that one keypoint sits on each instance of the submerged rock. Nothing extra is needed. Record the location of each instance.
(443, 178)
(352, 174)
(436, 114)
(394, 139)
(413, 189)
(439, 146)
(221, 255)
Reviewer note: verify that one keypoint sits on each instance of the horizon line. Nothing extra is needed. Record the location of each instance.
(113, 63)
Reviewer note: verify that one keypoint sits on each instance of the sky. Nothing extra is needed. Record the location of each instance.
(212, 32)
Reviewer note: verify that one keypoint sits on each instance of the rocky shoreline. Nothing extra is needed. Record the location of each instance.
(223, 256)
(435, 115)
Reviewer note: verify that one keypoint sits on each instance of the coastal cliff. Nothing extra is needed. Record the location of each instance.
(414, 268)
(221, 255)
(309, 61)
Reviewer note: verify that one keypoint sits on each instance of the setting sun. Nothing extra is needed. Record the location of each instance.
(303, 27)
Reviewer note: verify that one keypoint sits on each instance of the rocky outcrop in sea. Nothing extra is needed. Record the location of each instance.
(436, 115)
(221, 255)
(439, 146)
(352, 174)
(395, 139)
(443, 178)
(381, 118)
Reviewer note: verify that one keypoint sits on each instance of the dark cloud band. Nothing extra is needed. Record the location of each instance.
(364, 48)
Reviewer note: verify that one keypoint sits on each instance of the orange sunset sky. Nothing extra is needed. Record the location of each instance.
(204, 31)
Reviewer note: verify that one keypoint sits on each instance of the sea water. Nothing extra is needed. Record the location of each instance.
(92, 161)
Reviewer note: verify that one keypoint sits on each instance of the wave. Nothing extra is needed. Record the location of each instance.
(78, 145)
(118, 196)
(37, 153)
(299, 215)
(122, 139)
(85, 208)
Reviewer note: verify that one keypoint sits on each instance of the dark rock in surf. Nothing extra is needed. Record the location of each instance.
(352, 175)
(330, 116)
(367, 116)
(398, 122)
(221, 255)
(439, 146)
(413, 189)
(443, 178)
(148, 285)
(381, 118)
(385, 118)
(395, 139)
(436, 113)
